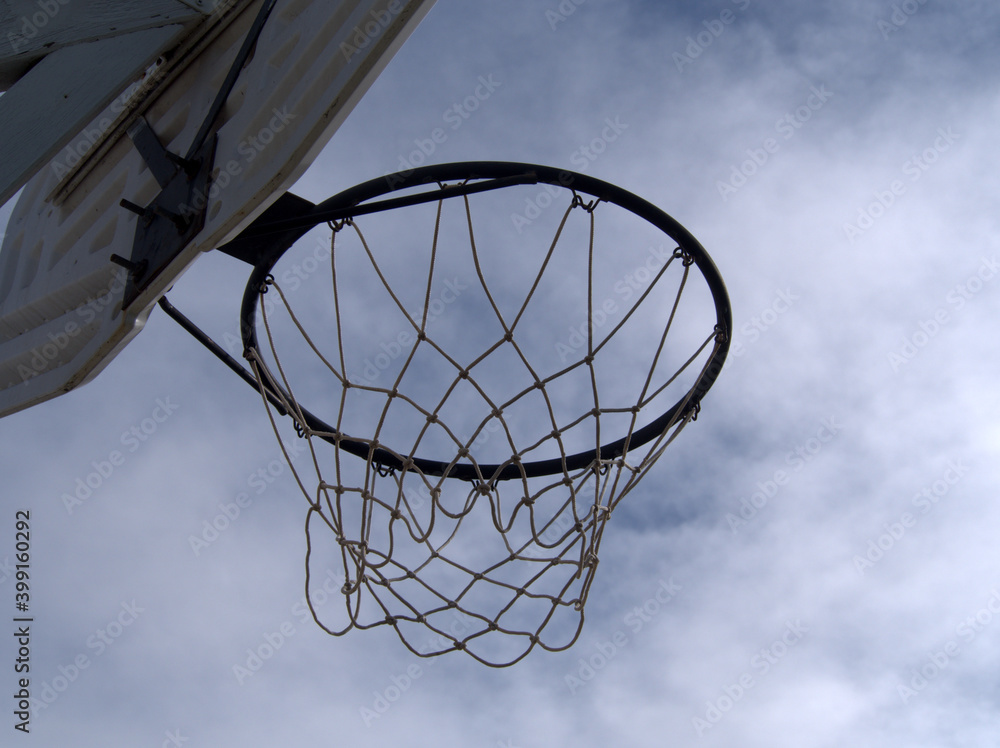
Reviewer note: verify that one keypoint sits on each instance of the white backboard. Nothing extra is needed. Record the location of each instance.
(61, 317)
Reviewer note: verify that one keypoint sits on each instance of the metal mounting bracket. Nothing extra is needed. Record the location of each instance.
(253, 247)
(177, 214)
(174, 217)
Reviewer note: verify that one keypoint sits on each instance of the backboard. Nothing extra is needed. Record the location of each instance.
(66, 308)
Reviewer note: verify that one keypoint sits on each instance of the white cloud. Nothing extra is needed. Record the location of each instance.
(825, 355)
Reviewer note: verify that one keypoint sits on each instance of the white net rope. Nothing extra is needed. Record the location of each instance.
(501, 560)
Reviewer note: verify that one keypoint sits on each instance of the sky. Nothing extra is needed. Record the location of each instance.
(813, 562)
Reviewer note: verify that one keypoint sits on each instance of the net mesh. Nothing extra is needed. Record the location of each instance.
(502, 559)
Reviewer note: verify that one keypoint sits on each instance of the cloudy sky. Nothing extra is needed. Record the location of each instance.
(824, 536)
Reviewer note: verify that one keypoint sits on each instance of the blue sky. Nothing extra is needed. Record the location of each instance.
(839, 164)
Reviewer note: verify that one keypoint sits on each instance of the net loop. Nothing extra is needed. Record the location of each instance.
(579, 202)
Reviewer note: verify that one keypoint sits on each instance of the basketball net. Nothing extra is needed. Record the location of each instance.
(491, 548)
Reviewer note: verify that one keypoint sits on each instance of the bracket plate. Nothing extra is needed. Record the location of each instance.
(174, 218)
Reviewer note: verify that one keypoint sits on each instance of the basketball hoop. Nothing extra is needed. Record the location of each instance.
(480, 451)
